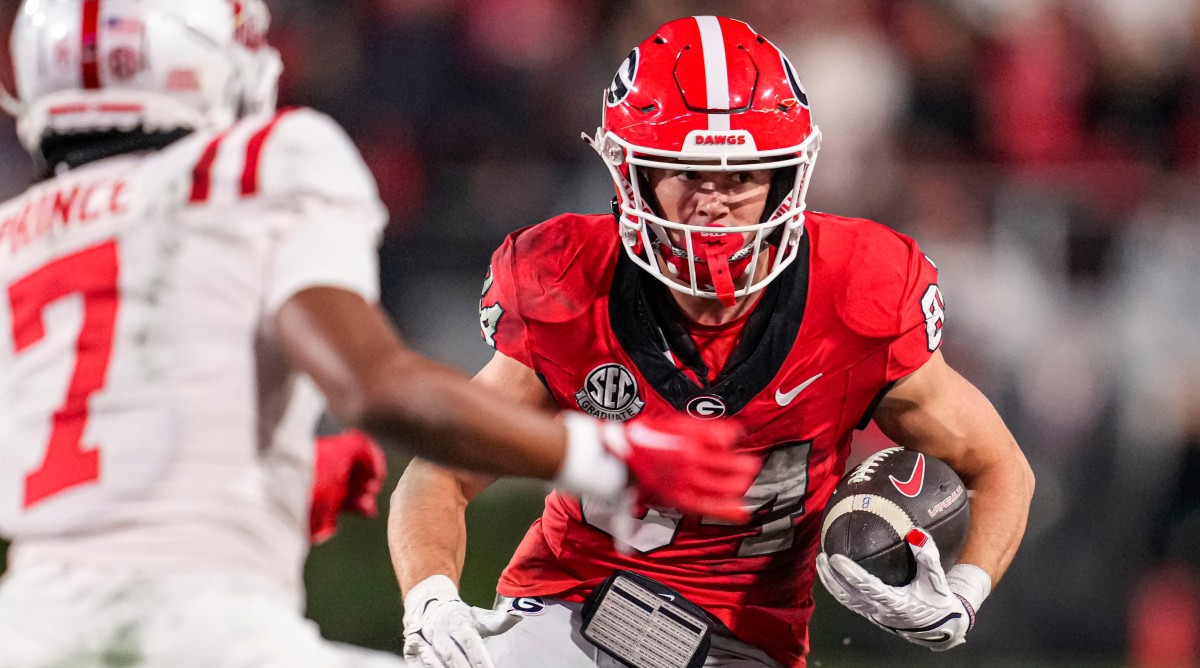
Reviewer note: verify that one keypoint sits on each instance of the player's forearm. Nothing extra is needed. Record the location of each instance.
(938, 412)
(427, 532)
(1000, 498)
(441, 417)
(974, 441)
(993, 467)
(374, 383)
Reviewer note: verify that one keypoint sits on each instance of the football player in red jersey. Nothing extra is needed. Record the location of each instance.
(713, 294)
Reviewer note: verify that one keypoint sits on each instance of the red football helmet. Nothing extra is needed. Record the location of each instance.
(707, 93)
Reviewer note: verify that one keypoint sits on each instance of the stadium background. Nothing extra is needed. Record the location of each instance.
(1046, 154)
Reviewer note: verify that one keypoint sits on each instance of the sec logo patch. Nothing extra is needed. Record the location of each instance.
(610, 392)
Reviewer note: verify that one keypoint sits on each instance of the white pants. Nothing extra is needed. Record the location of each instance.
(548, 635)
(57, 616)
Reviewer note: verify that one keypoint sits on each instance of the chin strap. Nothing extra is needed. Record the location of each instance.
(717, 248)
(719, 260)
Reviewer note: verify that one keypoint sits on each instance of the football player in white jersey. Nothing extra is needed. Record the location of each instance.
(193, 273)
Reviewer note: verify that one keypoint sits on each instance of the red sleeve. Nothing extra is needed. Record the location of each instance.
(500, 318)
(921, 316)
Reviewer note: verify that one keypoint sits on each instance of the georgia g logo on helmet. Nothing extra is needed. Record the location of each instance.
(622, 81)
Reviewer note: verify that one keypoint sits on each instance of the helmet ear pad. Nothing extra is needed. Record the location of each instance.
(647, 190)
(783, 180)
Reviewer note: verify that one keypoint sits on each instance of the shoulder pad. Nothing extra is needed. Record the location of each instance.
(878, 270)
(294, 153)
(563, 264)
(545, 274)
(304, 152)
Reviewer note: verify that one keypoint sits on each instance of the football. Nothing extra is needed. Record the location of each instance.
(879, 501)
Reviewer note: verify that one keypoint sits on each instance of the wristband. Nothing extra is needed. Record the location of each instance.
(589, 467)
(970, 583)
(434, 587)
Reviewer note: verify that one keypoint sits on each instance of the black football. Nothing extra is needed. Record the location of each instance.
(879, 501)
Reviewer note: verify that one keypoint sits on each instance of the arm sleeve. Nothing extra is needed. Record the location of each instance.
(500, 319)
(921, 318)
(329, 218)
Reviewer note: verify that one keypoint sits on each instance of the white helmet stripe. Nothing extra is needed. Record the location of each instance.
(716, 70)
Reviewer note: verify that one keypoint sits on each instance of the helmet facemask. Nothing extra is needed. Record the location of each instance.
(713, 264)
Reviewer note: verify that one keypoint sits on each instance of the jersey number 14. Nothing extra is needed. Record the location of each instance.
(776, 500)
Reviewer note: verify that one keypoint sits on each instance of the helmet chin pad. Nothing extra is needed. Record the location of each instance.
(714, 271)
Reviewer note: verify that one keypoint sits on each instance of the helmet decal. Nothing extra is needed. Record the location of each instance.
(124, 56)
(797, 87)
(125, 63)
(622, 82)
(249, 28)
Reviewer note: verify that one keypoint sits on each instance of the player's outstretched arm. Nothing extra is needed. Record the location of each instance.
(936, 411)
(375, 383)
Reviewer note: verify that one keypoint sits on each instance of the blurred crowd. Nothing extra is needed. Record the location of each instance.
(1046, 154)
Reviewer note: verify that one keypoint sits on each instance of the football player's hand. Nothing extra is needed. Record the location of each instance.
(927, 611)
(441, 631)
(687, 464)
(347, 477)
(671, 462)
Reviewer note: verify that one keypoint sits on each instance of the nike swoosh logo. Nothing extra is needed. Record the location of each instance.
(785, 398)
(916, 480)
(928, 627)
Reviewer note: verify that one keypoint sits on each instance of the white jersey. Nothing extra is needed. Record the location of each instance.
(149, 418)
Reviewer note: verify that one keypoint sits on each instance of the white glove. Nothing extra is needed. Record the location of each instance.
(935, 610)
(441, 631)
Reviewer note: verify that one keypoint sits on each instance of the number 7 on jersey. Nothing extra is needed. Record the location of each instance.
(93, 274)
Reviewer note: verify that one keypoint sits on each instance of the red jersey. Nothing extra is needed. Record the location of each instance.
(857, 310)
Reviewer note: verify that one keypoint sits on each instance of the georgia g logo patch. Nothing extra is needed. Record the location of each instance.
(622, 82)
(610, 392)
(527, 606)
(706, 407)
